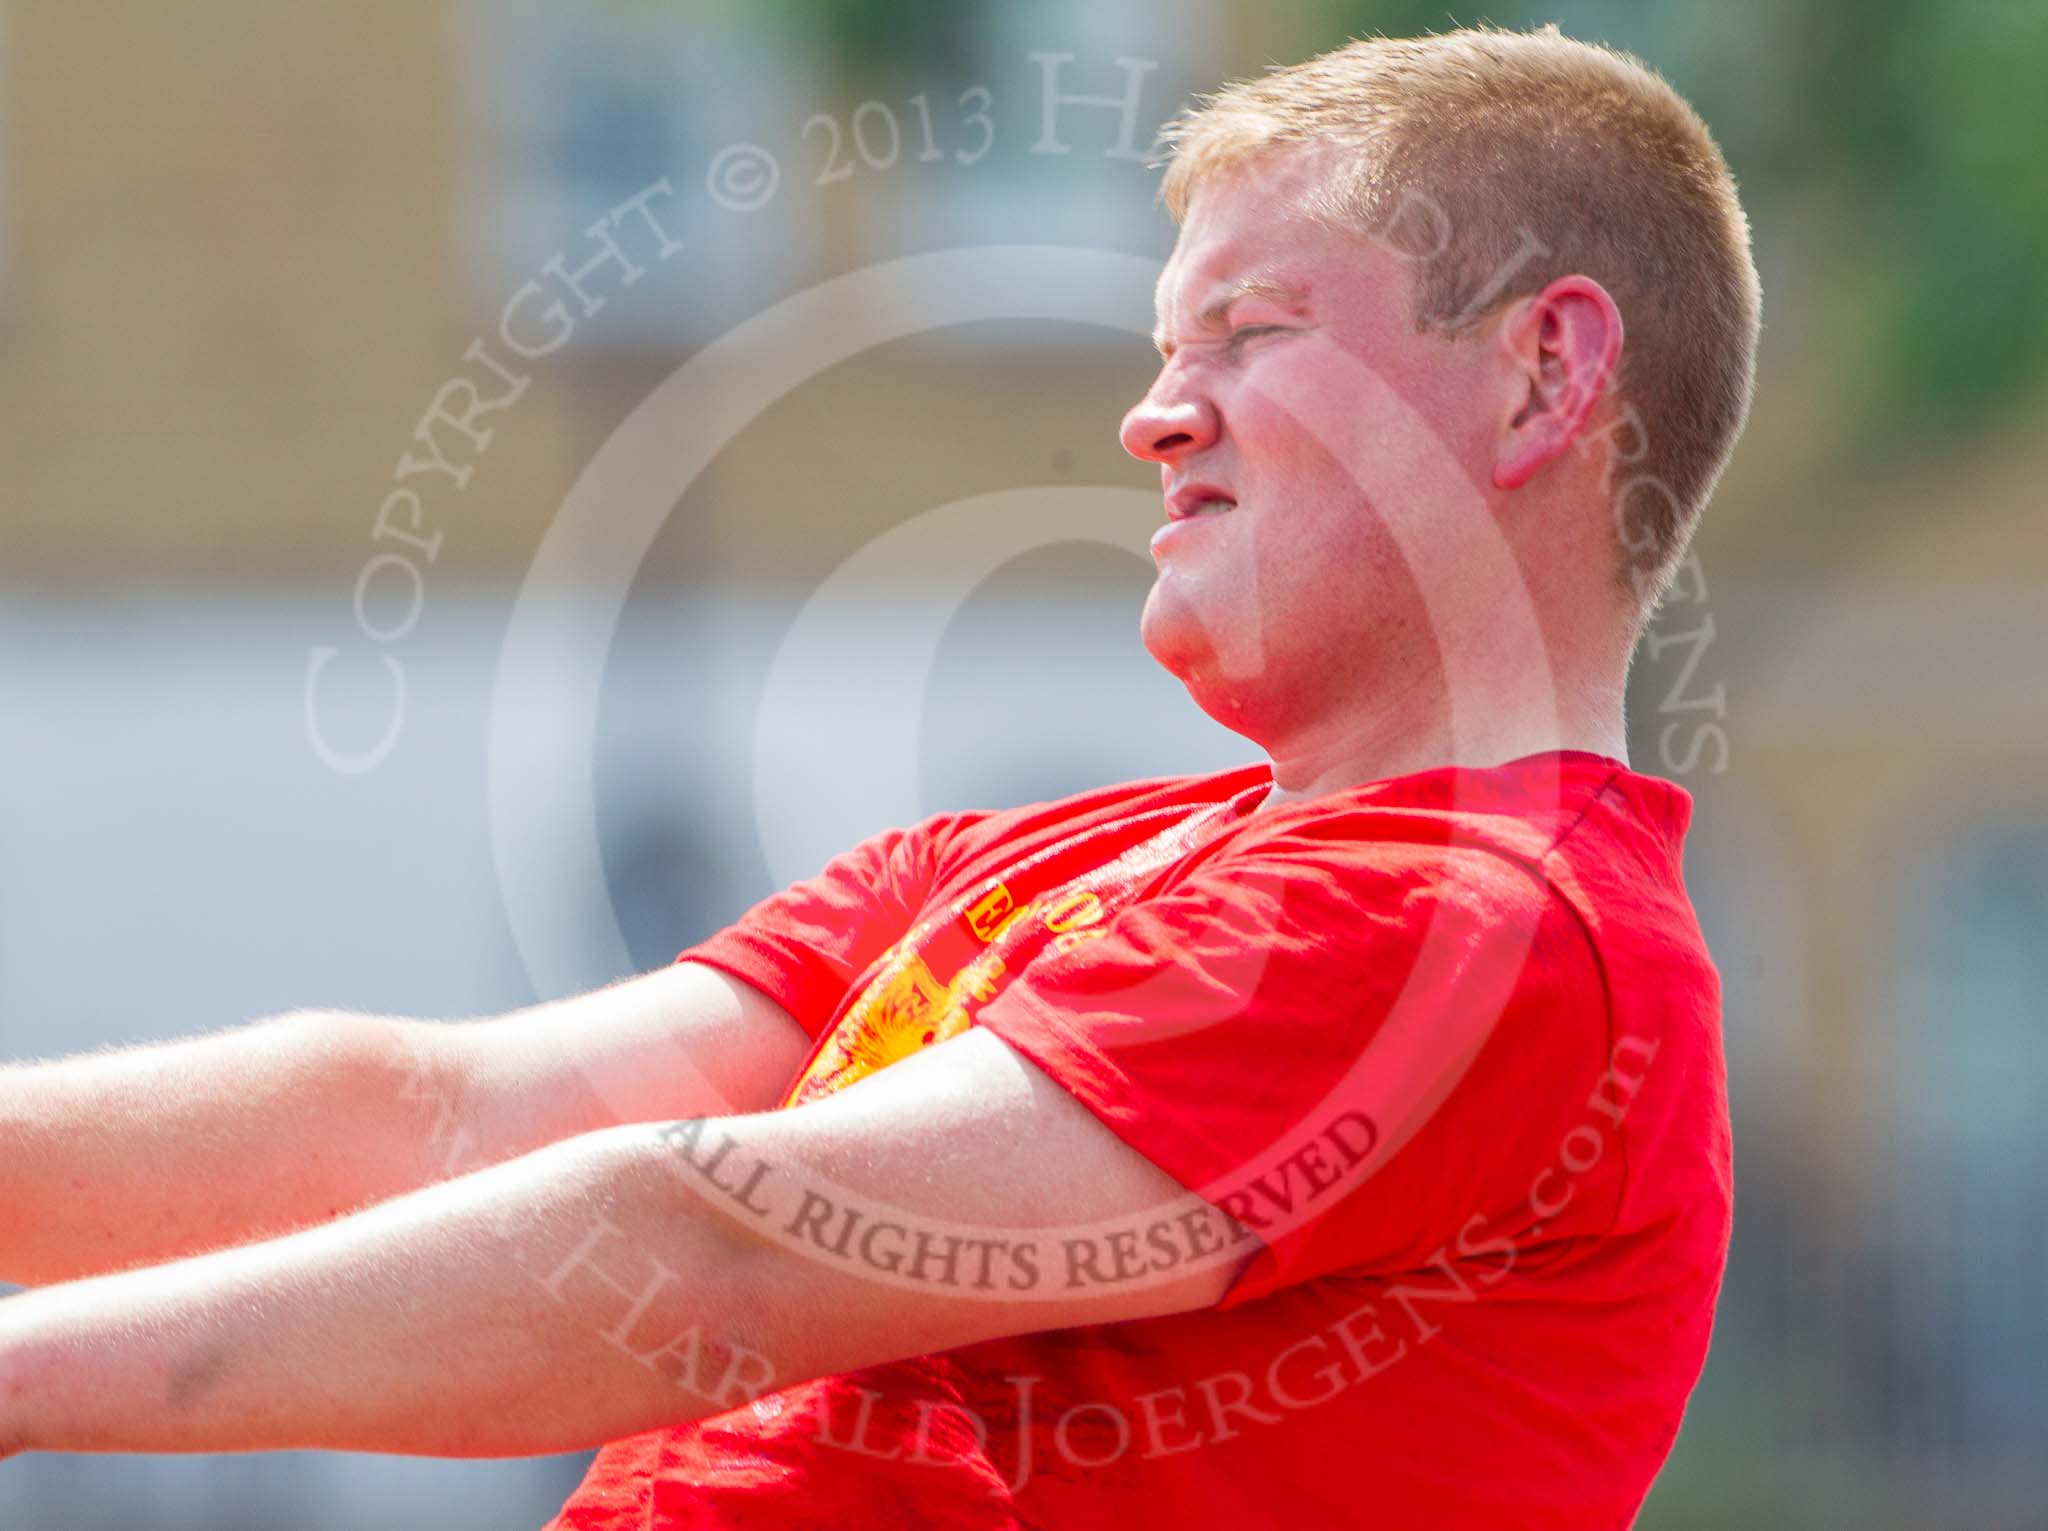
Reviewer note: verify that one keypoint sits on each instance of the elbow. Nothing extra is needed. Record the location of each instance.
(361, 1061)
(397, 1080)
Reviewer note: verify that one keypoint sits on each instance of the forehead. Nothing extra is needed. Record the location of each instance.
(1246, 233)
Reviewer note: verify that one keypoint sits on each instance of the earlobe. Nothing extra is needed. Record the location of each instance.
(1527, 451)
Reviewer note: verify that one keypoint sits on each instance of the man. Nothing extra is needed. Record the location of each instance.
(1336, 1140)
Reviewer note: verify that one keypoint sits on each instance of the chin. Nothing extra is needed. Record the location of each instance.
(1173, 637)
(1184, 650)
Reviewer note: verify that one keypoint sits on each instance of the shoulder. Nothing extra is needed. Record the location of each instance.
(1569, 835)
(1397, 859)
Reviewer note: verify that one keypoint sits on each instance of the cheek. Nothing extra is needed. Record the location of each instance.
(1388, 420)
(1306, 437)
(1327, 551)
(1325, 574)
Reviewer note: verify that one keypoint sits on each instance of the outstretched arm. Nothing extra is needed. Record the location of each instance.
(624, 1280)
(130, 1158)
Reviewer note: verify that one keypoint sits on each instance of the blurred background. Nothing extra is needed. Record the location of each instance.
(330, 677)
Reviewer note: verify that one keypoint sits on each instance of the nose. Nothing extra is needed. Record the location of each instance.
(1169, 423)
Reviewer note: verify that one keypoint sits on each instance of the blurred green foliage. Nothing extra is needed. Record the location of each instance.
(1919, 132)
(881, 37)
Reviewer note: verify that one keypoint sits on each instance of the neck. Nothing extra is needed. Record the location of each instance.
(1394, 730)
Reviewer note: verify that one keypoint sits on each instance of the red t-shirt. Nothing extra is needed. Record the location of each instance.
(1444, 1050)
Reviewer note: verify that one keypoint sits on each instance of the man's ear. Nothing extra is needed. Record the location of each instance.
(1564, 344)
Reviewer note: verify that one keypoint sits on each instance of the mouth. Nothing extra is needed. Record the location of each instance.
(1182, 511)
(1197, 500)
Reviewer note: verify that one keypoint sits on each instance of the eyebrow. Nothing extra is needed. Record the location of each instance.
(1287, 294)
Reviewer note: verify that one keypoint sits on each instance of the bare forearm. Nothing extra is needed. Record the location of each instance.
(119, 1159)
(144, 1156)
(468, 1319)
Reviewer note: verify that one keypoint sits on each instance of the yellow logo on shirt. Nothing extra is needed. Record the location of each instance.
(903, 1011)
(1073, 910)
(991, 912)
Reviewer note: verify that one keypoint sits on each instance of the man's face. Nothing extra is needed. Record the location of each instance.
(1304, 432)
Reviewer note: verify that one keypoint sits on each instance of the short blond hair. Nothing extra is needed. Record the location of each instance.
(1517, 158)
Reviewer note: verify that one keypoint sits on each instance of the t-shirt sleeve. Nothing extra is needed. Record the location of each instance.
(1352, 1051)
(805, 945)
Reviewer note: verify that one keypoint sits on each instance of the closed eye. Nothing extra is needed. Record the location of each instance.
(1239, 336)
